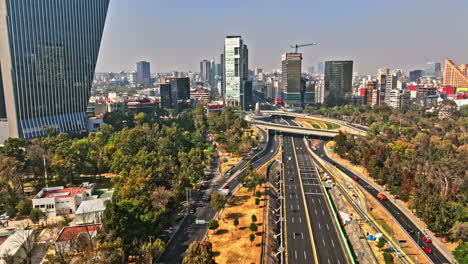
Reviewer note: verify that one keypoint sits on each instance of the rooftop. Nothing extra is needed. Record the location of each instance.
(67, 192)
(72, 232)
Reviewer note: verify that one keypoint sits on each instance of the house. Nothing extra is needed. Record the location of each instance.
(16, 247)
(90, 211)
(59, 200)
(73, 238)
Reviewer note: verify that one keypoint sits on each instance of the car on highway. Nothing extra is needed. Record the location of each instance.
(355, 178)
(289, 158)
(226, 187)
(428, 250)
(291, 179)
(321, 155)
(206, 198)
(382, 196)
(410, 231)
(427, 239)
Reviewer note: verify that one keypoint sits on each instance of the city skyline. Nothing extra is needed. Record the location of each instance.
(179, 41)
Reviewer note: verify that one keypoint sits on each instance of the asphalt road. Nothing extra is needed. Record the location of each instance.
(298, 243)
(403, 220)
(189, 231)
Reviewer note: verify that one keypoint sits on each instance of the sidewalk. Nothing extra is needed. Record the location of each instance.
(435, 240)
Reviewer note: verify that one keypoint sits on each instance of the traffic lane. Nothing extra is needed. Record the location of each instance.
(325, 233)
(298, 239)
(402, 219)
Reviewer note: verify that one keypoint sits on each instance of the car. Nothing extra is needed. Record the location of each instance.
(427, 239)
(291, 179)
(381, 196)
(226, 187)
(206, 198)
(192, 211)
(355, 178)
(289, 158)
(410, 231)
(428, 250)
(321, 155)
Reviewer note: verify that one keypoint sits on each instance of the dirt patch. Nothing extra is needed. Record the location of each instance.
(233, 244)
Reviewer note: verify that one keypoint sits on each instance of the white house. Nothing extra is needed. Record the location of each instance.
(59, 200)
(16, 247)
(90, 211)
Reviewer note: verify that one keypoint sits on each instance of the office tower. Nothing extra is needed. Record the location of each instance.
(166, 95)
(291, 79)
(311, 70)
(320, 67)
(143, 73)
(180, 93)
(235, 70)
(222, 77)
(380, 72)
(205, 70)
(48, 55)
(319, 92)
(373, 93)
(309, 91)
(338, 82)
(246, 98)
(437, 70)
(415, 75)
(455, 76)
(392, 94)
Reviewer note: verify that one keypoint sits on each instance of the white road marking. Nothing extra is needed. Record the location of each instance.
(323, 242)
(292, 219)
(328, 227)
(328, 261)
(300, 220)
(312, 199)
(319, 201)
(305, 256)
(333, 244)
(315, 211)
(295, 254)
(323, 213)
(297, 207)
(320, 227)
(291, 207)
(302, 233)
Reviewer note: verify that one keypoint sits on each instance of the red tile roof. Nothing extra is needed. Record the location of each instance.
(71, 233)
(63, 193)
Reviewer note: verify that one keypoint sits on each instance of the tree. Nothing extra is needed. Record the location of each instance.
(381, 243)
(459, 232)
(36, 215)
(257, 201)
(218, 201)
(253, 227)
(254, 218)
(24, 207)
(236, 222)
(199, 252)
(251, 237)
(154, 250)
(461, 253)
(388, 257)
(213, 225)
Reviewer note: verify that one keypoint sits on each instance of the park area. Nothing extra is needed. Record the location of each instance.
(232, 243)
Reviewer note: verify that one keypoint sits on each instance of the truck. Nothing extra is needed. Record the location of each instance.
(321, 170)
(382, 196)
(324, 178)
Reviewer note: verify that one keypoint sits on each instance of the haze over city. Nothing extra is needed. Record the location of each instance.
(398, 34)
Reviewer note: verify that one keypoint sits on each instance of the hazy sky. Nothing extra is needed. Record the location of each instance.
(178, 34)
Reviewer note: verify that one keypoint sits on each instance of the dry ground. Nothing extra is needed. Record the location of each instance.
(231, 244)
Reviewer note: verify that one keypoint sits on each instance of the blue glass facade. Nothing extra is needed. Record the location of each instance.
(48, 60)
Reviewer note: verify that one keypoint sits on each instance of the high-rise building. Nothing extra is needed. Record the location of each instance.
(291, 79)
(437, 70)
(235, 70)
(143, 73)
(392, 93)
(166, 95)
(205, 70)
(338, 82)
(415, 75)
(311, 70)
(320, 67)
(48, 53)
(373, 93)
(455, 76)
(180, 93)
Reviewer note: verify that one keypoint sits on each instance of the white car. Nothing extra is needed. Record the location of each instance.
(289, 158)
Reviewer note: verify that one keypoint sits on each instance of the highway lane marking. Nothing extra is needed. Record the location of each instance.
(302, 233)
(292, 207)
(292, 219)
(312, 200)
(328, 227)
(311, 184)
(323, 242)
(333, 244)
(300, 220)
(298, 207)
(319, 201)
(323, 213)
(320, 227)
(295, 254)
(312, 193)
(305, 256)
(328, 261)
(315, 211)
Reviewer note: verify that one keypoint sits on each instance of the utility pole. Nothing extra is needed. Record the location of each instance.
(150, 247)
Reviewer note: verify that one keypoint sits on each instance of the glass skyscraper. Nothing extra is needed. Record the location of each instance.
(48, 53)
(338, 82)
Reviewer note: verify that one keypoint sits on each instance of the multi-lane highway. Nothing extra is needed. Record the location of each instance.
(188, 230)
(299, 246)
(403, 220)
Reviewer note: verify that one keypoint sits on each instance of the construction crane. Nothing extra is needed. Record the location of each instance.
(297, 46)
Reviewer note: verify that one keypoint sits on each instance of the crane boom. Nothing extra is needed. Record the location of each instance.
(297, 46)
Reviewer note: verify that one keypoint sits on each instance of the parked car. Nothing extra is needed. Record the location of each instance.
(427, 239)
(291, 179)
(428, 250)
(355, 178)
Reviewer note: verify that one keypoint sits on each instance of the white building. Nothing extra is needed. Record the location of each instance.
(17, 246)
(235, 70)
(90, 211)
(59, 200)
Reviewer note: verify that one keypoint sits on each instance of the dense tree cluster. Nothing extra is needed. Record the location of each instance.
(229, 131)
(418, 157)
